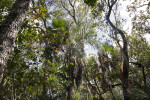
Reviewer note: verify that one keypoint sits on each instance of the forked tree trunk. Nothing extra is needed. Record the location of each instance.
(9, 31)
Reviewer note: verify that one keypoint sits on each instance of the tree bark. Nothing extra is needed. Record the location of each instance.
(124, 72)
(9, 31)
(71, 92)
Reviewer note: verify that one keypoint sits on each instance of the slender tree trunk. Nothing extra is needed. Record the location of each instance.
(124, 72)
(9, 30)
(44, 92)
(144, 75)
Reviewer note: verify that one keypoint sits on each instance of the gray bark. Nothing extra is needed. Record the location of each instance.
(71, 92)
(9, 31)
(124, 72)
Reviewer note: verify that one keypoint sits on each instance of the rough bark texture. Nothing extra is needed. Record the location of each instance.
(125, 59)
(9, 30)
(71, 87)
(71, 92)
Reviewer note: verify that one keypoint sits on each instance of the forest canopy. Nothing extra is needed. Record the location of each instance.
(74, 50)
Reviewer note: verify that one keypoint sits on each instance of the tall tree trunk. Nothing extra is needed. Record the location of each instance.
(71, 92)
(125, 59)
(9, 30)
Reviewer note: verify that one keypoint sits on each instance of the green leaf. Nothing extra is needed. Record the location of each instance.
(91, 3)
(67, 67)
(37, 24)
(72, 63)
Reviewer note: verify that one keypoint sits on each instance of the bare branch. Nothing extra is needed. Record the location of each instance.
(69, 12)
(73, 7)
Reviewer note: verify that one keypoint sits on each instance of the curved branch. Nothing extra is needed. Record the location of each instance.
(124, 72)
(115, 28)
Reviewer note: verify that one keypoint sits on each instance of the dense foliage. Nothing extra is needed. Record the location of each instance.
(49, 60)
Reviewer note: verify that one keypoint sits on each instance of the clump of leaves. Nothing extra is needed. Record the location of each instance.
(97, 10)
(60, 23)
(91, 3)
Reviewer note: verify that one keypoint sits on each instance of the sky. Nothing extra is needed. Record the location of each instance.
(124, 14)
(127, 25)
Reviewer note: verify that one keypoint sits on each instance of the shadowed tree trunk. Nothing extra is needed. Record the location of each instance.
(71, 87)
(124, 72)
(71, 92)
(9, 30)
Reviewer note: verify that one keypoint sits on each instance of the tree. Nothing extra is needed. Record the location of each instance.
(49, 58)
(124, 68)
(9, 30)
